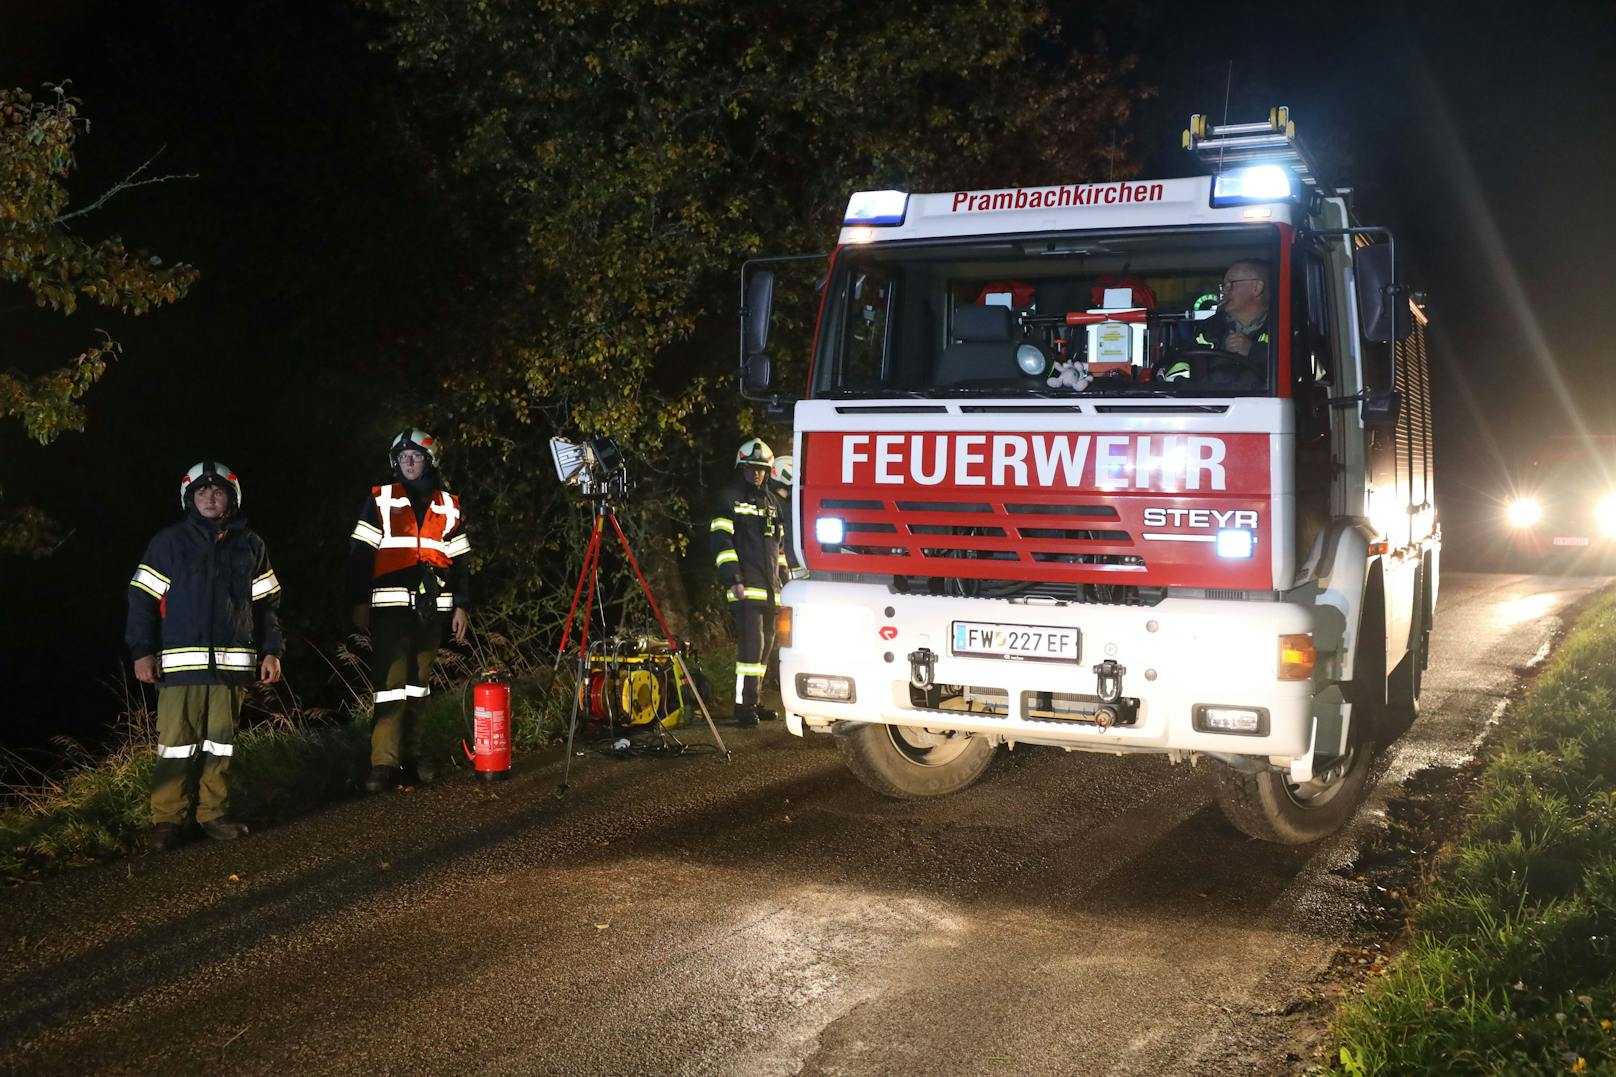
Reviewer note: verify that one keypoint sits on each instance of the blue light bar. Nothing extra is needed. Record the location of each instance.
(877, 208)
(1257, 183)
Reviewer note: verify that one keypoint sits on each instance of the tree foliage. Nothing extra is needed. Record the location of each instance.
(40, 252)
(617, 161)
(58, 269)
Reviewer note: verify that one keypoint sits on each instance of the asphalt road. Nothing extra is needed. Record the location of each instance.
(1075, 913)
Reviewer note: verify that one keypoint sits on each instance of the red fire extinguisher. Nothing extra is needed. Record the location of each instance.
(491, 726)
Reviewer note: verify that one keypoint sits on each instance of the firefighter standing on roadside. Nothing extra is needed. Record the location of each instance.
(407, 575)
(202, 624)
(746, 553)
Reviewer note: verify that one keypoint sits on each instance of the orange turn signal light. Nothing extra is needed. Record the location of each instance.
(782, 626)
(1297, 657)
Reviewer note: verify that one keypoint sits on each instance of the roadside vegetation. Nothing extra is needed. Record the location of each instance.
(1511, 967)
(289, 759)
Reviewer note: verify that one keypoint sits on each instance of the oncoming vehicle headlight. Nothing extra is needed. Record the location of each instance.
(1524, 512)
(1605, 513)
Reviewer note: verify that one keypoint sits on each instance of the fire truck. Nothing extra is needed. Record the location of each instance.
(1128, 467)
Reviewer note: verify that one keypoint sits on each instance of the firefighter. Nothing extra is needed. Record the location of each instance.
(203, 623)
(782, 474)
(1241, 324)
(407, 575)
(1239, 327)
(746, 553)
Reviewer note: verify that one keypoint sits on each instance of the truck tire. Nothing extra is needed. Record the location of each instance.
(909, 764)
(1270, 807)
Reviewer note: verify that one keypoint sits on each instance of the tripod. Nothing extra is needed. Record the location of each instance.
(602, 512)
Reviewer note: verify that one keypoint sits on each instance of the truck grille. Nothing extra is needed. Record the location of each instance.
(983, 538)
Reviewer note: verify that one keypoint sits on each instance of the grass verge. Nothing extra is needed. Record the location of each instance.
(1511, 967)
(287, 760)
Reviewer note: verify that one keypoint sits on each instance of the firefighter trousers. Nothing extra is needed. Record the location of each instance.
(403, 647)
(754, 637)
(196, 736)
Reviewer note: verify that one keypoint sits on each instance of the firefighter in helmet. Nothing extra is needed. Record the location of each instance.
(203, 624)
(408, 577)
(782, 475)
(746, 553)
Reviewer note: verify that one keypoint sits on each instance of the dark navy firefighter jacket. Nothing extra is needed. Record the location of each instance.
(205, 601)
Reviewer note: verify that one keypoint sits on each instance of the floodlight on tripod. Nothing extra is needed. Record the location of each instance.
(595, 466)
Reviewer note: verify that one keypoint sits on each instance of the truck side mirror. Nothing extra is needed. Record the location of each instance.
(1382, 308)
(755, 373)
(755, 318)
(1382, 408)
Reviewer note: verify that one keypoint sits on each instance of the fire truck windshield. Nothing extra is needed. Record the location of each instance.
(1176, 313)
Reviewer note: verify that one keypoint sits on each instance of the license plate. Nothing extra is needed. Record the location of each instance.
(1569, 540)
(982, 639)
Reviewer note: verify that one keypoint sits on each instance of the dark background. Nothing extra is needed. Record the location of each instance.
(1480, 132)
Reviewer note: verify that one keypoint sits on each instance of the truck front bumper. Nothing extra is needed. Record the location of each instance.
(1180, 657)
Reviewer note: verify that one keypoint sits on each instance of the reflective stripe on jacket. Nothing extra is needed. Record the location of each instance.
(744, 538)
(205, 601)
(396, 553)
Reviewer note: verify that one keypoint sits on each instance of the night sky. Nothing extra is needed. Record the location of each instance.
(1482, 132)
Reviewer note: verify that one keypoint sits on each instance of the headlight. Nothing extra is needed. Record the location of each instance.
(1606, 515)
(824, 686)
(1524, 512)
(829, 530)
(1235, 543)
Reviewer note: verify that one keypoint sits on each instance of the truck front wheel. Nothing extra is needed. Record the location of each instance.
(1270, 807)
(908, 764)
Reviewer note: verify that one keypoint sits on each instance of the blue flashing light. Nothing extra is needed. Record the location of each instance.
(877, 208)
(1236, 543)
(1257, 183)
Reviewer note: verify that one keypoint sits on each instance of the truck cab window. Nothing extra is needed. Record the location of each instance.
(1156, 314)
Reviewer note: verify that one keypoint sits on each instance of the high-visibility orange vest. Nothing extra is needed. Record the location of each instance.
(437, 540)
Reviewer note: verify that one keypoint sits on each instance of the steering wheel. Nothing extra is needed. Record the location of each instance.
(1218, 368)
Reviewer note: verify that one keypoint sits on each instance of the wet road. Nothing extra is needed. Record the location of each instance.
(1071, 914)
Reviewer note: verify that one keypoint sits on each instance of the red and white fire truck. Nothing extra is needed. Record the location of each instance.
(1052, 489)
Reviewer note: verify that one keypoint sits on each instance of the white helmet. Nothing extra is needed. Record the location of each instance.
(754, 452)
(783, 471)
(209, 472)
(419, 440)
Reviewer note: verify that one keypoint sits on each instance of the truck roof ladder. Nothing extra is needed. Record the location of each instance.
(1231, 145)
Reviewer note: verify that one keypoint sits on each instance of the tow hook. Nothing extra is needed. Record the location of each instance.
(922, 668)
(1108, 686)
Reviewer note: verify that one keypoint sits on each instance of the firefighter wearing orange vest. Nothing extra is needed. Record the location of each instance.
(407, 570)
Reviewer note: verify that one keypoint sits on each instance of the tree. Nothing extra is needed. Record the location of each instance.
(40, 252)
(617, 161)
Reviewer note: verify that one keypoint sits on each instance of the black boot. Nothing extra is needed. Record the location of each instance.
(767, 714)
(420, 771)
(164, 836)
(381, 779)
(223, 829)
(745, 718)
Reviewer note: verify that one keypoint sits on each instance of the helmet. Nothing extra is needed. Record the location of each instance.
(419, 440)
(755, 452)
(784, 470)
(209, 473)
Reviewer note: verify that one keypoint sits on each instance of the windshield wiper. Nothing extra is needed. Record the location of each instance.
(873, 392)
(1130, 390)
